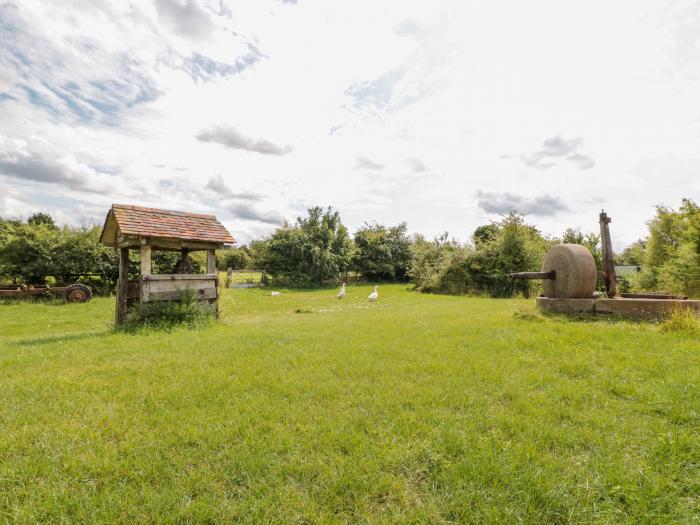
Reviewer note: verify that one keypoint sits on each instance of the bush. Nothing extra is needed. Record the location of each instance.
(166, 315)
(500, 248)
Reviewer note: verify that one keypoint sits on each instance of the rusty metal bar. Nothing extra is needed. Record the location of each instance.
(533, 275)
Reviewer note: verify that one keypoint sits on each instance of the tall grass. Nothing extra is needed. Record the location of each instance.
(681, 320)
(166, 315)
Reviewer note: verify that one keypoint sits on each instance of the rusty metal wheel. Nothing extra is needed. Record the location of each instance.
(77, 293)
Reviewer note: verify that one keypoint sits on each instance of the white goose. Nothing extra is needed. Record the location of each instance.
(341, 293)
(374, 295)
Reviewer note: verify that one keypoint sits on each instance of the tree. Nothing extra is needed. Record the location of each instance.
(237, 258)
(381, 252)
(514, 247)
(41, 218)
(670, 254)
(633, 254)
(26, 255)
(589, 240)
(314, 250)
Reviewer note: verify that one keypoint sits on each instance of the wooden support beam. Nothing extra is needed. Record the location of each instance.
(145, 259)
(122, 285)
(608, 262)
(211, 261)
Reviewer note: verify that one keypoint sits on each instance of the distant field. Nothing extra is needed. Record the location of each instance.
(305, 409)
(242, 278)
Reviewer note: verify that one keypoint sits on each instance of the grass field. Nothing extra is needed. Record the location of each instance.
(304, 409)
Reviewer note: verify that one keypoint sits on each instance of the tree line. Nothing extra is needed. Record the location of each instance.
(318, 250)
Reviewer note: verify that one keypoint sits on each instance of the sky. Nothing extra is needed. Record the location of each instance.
(442, 114)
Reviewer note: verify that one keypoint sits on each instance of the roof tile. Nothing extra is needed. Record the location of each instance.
(152, 222)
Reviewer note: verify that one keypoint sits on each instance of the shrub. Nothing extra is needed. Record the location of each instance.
(169, 314)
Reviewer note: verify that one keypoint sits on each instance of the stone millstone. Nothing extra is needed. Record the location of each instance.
(576, 274)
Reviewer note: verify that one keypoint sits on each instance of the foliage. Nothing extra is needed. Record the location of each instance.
(34, 251)
(382, 253)
(672, 251)
(514, 247)
(169, 314)
(499, 249)
(41, 218)
(237, 258)
(416, 409)
(589, 240)
(316, 249)
(633, 254)
(432, 262)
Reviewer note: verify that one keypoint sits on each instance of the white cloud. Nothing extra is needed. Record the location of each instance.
(113, 95)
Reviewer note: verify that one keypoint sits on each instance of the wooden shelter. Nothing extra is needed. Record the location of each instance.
(147, 229)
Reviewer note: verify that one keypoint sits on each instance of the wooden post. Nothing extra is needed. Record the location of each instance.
(145, 259)
(122, 286)
(145, 272)
(211, 261)
(608, 262)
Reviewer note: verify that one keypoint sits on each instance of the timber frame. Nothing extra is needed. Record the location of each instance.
(148, 229)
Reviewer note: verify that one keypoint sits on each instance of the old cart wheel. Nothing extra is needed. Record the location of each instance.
(77, 293)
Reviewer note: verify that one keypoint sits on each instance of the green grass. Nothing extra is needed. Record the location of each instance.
(305, 409)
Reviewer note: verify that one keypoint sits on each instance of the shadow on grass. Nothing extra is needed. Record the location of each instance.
(48, 339)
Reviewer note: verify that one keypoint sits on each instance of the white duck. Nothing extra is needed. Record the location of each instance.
(341, 293)
(374, 295)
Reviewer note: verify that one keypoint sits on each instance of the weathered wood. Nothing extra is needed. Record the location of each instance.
(211, 261)
(145, 259)
(608, 262)
(175, 295)
(122, 285)
(161, 243)
(533, 275)
(180, 277)
(202, 285)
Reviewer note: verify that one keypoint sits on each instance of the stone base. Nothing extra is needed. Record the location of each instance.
(636, 309)
(566, 306)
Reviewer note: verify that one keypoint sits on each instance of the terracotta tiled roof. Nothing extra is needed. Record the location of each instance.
(152, 222)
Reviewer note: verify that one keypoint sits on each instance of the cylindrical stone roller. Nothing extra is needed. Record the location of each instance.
(576, 275)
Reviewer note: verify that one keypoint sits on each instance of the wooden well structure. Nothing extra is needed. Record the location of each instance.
(147, 229)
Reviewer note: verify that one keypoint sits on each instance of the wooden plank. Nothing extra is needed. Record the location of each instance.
(161, 290)
(180, 277)
(211, 261)
(122, 285)
(161, 243)
(175, 295)
(157, 286)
